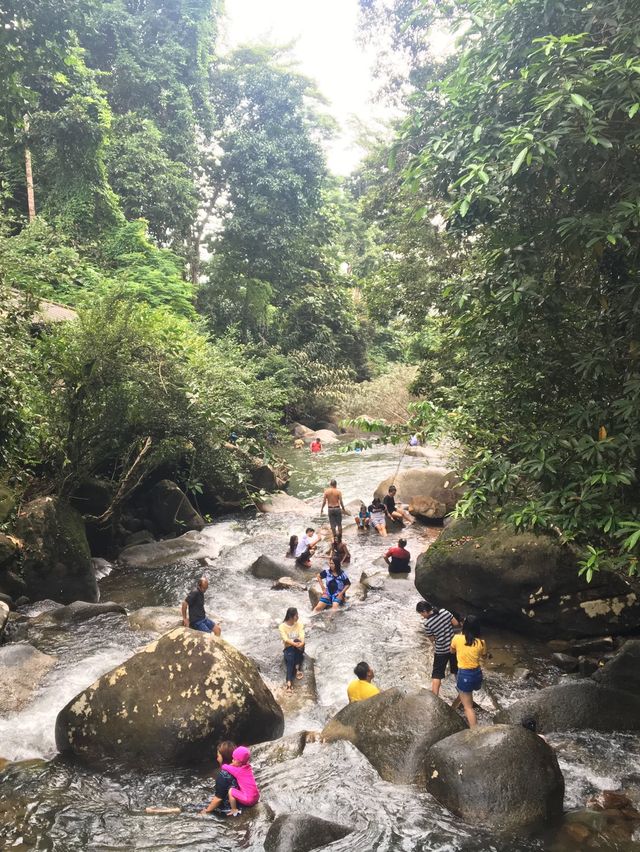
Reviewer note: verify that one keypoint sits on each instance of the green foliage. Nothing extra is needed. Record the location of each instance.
(528, 148)
(125, 378)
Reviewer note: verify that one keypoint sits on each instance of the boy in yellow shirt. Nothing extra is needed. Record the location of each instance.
(362, 688)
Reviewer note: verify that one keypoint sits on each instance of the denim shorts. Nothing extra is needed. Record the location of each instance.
(469, 679)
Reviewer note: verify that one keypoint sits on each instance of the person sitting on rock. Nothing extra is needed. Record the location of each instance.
(362, 687)
(378, 514)
(293, 543)
(339, 551)
(194, 603)
(396, 511)
(220, 803)
(439, 626)
(469, 649)
(334, 583)
(306, 548)
(245, 791)
(363, 518)
(292, 635)
(398, 558)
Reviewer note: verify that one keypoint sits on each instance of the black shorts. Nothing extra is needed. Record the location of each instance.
(440, 665)
(335, 517)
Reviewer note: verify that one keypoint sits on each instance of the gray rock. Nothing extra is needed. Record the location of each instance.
(78, 611)
(171, 509)
(623, 671)
(394, 731)
(288, 584)
(576, 705)
(169, 705)
(56, 559)
(501, 776)
(565, 662)
(325, 435)
(524, 582)
(436, 482)
(22, 668)
(140, 537)
(587, 666)
(428, 508)
(327, 425)
(300, 431)
(266, 568)
(158, 554)
(156, 619)
(302, 832)
(597, 645)
(279, 751)
(4, 616)
(8, 503)
(281, 503)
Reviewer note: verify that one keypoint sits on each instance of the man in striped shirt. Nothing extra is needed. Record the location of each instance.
(439, 626)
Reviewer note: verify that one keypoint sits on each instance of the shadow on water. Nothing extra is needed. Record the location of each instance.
(47, 803)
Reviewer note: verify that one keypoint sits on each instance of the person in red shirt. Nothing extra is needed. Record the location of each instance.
(397, 558)
(316, 445)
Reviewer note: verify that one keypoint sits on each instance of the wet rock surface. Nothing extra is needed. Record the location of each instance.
(394, 731)
(170, 704)
(22, 668)
(500, 776)
(266, 568)
(302, 832)
(623, 671)
(576, 705)
(155, 619)
(78, 611)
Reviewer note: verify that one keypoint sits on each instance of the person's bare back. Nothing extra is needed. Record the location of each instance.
(333, 497)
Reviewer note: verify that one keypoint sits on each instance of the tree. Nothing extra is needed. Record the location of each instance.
(529, 150)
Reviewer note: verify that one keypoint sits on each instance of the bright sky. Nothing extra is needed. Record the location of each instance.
(324, 32)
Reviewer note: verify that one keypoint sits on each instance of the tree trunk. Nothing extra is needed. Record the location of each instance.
(31, 200)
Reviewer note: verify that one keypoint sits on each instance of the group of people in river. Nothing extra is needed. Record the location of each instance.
(462, 652)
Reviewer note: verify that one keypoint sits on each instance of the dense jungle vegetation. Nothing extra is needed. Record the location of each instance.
(226, 281)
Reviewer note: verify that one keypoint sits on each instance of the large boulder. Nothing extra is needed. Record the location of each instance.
(436, 482)
(284, 504)
(171, 509)
(22, 668)
(524, 582)
(78, 611)
(575, 706)
(623, 671)
(266, 568)
(4, 616)
(325, 435)
(300, 431)
(501, 776)
(158, 554)
(302, 832)
(428, 508)
(56, 560)
(169, 705)
(394, 730)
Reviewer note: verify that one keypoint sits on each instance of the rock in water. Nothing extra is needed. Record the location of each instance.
(524, 582)
(500, 776)
(284, 504)
(266, 568)
(427, 507)
(78, 611)
(4, 616)
(22, 668)
(302, 832)
(576, 706)
(394, 731)
(156, 619)
(170, 704)
(56, 558)
(623, 671)
(436, 482)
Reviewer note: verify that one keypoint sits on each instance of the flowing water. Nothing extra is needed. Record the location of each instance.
(47, 802)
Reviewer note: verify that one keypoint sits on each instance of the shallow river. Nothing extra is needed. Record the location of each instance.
(49, 803)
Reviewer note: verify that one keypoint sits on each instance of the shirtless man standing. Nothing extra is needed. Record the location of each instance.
(332, 498)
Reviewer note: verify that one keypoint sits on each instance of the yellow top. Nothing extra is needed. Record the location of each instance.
(289, 632)
(358, 690)
(468, 655)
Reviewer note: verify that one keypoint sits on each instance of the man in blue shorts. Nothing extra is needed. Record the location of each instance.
(194, 603)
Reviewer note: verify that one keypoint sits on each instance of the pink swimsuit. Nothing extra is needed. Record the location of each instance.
(248, 793)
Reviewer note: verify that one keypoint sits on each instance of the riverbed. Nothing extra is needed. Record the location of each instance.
(49, 803)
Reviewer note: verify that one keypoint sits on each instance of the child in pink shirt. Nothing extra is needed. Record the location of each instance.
(246, 792)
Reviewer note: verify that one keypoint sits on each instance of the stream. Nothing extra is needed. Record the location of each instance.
(50, 803)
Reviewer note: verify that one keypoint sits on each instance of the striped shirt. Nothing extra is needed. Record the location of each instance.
(439, 625)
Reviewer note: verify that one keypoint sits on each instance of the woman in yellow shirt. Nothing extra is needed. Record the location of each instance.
(469, 649)
(292, 635)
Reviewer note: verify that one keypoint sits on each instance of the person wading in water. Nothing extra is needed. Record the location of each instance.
(332, 498)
